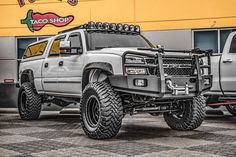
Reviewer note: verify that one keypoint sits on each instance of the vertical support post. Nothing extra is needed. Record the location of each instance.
(199, 76)
(162, 77)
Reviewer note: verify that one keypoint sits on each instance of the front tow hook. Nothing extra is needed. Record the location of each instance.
(178, 90)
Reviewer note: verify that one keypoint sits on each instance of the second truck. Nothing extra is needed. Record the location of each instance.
(223, 91)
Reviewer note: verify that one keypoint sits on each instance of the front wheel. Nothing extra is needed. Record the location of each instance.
(101, 111)
(189, 117)
(231, 109)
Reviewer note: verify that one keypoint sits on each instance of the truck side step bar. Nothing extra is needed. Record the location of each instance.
(222, 103)
(227, 99)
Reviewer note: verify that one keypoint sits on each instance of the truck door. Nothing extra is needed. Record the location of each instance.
(70, 66)
(50, 67)
(228, 67)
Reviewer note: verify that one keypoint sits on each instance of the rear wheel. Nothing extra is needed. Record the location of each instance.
(29, 102)
(101, 111)
(189, 117)
(231, 109)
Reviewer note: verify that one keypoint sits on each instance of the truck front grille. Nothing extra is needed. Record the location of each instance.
(172, 66)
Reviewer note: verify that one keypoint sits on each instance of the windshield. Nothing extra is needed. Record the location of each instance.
(99, 40)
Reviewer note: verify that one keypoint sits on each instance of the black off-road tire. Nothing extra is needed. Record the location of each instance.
(231, 109)
(109, 112)
(29, 102)
(193, 114)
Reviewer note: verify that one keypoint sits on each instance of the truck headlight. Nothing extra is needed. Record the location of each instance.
(129, 59)
(207, 81)
(136, 71)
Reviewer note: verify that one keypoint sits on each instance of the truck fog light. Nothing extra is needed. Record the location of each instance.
(207, 81)
(136, 71)
(140, 82)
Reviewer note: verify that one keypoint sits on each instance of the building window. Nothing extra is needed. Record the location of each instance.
(22, 44)
(211, 39)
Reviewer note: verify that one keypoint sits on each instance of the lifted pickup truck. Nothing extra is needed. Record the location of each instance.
(223, 68)
(112, 70)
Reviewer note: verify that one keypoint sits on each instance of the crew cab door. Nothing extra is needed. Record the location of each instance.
(70, 66)
(50, 67)
(228, 66)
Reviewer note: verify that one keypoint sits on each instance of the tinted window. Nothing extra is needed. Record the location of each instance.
(76, 43)
(35, 50)
(233, 45)
(223, 37)
(206, 40)
(98, 40)
(55, 48)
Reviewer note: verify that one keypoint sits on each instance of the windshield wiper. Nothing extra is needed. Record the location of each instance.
(102, 47)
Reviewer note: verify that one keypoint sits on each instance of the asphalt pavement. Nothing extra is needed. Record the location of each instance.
(143, 135)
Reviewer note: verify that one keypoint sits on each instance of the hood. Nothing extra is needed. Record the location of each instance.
(121, 51)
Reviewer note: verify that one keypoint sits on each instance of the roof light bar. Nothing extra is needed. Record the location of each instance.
(108, 27)
(122, 28)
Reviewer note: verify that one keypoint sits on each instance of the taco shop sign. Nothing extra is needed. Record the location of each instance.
(71, 2)
(36, 21)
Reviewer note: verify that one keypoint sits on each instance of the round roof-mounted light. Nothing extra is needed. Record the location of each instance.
(137, 29)
(105, 26)
(99, 25)
(131, 28)
(119, 27)
(91, 25)
(113, 27)
(126, 27)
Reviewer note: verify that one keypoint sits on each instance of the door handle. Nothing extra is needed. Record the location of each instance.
(228, 61)
(46, 65)
(61, 63)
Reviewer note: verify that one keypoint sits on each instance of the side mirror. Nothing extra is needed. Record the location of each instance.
(65, 44)
(65, 48)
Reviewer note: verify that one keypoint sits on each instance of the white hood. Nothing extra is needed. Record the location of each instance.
(121, 51)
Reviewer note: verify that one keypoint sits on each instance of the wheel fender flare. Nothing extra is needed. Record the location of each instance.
(106, 67)
(27, 76)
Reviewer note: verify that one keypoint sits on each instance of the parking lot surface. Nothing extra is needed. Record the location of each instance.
(144, 135)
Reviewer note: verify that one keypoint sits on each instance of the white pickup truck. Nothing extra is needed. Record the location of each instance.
(223, 69)
(112, 70)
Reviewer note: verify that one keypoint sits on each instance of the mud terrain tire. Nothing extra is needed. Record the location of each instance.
(231, 109)
(191, 117)
(29, 102)
(101, 111)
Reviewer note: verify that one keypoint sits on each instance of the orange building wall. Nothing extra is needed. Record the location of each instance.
(150, 14)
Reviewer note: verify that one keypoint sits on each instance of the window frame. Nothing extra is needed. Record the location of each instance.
(218, 35)
(50, 47)
(27, 37)
(46, 42)
(230, 49)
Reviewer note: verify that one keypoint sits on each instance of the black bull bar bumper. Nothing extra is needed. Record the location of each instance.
(162, 85)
